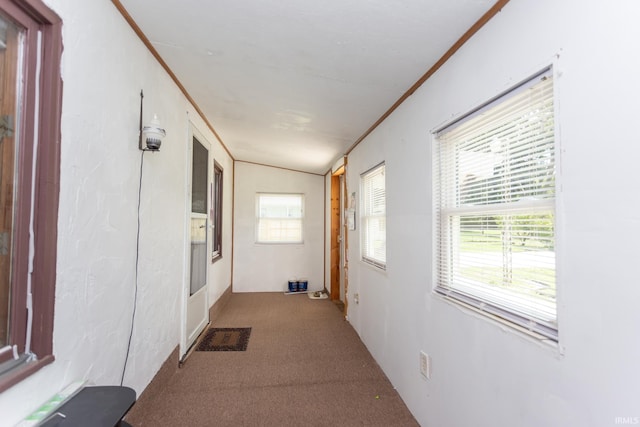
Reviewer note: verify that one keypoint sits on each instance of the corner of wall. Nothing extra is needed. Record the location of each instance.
(219, 305)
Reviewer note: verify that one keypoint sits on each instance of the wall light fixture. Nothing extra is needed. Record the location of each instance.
(151, 134)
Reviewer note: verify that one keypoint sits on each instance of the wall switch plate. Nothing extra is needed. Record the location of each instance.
(425, 365)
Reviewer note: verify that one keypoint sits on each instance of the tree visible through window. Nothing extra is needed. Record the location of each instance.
(495, 205)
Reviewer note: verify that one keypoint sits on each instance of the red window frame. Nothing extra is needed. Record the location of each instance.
(35, 17)
(217, 212)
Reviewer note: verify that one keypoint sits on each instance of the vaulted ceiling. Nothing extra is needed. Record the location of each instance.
(295, 83)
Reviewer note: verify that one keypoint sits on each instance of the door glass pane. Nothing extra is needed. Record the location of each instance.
(198, 253)
(199, 175)
(10, 47)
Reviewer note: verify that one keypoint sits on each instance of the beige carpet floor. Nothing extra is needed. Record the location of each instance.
(304, 366)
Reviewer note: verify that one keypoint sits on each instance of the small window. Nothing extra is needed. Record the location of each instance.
(373, 217)
(216, 214)
(279, 218)
(494, 195)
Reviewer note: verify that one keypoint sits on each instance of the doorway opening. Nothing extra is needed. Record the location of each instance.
(339, 262)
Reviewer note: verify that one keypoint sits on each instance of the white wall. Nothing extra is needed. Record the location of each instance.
(267, 268)
(104, 67)
(483, 372)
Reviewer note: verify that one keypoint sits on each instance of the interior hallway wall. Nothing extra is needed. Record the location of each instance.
(268, 267)
(104, 67)
(485, 373)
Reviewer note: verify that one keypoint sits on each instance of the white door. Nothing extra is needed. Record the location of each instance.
(197, 310)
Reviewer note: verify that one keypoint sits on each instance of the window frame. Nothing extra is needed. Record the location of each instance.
(482, 300)
(216, 212)
(366, 252)
(37, 208)
(259, 218)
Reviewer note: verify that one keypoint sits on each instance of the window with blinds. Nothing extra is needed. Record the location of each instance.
(279, 218)
(373, 217)
(494, 190)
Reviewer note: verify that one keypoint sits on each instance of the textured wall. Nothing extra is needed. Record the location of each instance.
(104, 67)
(483, 372)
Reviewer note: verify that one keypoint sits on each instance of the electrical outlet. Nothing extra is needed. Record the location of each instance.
(425, 365)
(356, 298)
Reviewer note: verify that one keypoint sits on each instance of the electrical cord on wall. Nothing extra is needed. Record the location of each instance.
(135, 294)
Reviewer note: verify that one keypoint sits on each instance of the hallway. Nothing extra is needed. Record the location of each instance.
(512, 119)
(304, 365)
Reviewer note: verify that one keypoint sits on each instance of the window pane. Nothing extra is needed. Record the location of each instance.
(511, 253)
(198, 258)
(495, 192)
(374, 224)
(280, 206)
(30, 100)
(279, 230)
(199, 177)
(10, 45)
(279, 218)
(216, 216)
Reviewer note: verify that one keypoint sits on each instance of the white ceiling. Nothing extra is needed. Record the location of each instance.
(294, 83)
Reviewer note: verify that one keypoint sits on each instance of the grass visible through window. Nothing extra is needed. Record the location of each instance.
(521, 261)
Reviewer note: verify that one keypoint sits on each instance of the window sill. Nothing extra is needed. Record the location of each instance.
(503, 324)
(13, 377)
(374, 266)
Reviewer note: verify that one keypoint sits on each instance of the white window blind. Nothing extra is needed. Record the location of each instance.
(495, 197)
(279, 218)
(373, 218)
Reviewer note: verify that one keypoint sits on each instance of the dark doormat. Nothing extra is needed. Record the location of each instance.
(225, 339)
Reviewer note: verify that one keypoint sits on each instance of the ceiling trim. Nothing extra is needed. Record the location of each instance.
(154, 52)
(448, 54)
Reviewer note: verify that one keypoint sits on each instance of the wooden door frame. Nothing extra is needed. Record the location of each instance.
(336, 212)
(334, 247)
